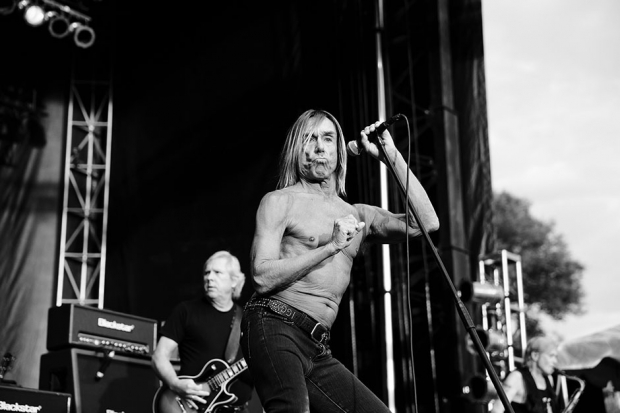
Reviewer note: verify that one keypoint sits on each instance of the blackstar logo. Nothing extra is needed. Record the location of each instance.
(16, 407)
(102, 322)
(112, 411)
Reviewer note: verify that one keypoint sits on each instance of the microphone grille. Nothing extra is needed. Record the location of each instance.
(353, 149)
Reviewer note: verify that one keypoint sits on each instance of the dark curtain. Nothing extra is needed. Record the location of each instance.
(202, 101)
(202, 108)
(32, 122)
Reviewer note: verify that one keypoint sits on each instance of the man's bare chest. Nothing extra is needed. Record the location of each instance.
(314, 219)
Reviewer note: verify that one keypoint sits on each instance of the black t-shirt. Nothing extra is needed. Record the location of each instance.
(536, 399)
(202, 332)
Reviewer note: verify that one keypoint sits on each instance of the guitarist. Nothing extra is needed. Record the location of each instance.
(200, 330)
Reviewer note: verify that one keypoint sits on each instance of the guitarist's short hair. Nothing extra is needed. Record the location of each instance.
(234, 269)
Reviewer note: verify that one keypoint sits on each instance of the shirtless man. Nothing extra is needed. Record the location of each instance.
(305, 241)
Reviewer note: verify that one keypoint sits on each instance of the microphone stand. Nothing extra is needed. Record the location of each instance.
(461, 309)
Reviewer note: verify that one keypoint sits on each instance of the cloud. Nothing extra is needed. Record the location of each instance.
(553, 87)
(576, 327)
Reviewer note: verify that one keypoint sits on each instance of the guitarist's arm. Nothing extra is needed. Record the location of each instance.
(187, 389)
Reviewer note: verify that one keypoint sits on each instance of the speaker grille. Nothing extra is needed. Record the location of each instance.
(128, 384)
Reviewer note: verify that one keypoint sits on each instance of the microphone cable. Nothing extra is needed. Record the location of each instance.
(409, 315)
(423, 231)
(408, 269)
(429, 315)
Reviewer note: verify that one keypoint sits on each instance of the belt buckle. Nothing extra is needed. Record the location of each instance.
(324, 337)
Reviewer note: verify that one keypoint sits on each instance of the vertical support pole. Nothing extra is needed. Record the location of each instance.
(507, 311)
(452, 232)
(484, 306)
(521, 302)
(383, 188)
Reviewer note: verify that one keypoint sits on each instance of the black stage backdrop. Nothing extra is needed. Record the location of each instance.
(202, 103)
(203, 95)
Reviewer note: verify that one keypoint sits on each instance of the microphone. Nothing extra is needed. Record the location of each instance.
(383, 126)
(353, 148)
(105, 363)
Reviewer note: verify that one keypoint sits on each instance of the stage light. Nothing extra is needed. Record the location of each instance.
(59, 26)
(34, 15)
(84, 36)
(7, 6)
(62, 19)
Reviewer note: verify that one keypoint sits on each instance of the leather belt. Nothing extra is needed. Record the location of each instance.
(317, 331)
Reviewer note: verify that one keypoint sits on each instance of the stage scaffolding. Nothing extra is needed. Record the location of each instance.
(503, 312)
(84, 220)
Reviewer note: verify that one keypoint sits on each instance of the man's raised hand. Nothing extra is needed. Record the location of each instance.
(370, 147)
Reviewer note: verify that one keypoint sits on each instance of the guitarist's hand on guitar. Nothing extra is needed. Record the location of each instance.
(211, 384)
(190, 392)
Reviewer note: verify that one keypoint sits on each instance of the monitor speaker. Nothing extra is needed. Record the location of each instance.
(99, 383)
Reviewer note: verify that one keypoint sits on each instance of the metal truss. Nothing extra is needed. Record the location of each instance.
(505, 315)
(83, 233)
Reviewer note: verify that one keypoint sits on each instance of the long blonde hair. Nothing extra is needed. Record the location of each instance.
(297, 137)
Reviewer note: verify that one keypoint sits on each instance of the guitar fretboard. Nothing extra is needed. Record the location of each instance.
(223, 376)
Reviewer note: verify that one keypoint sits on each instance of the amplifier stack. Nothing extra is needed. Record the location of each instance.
(101, 357)
(96, 329)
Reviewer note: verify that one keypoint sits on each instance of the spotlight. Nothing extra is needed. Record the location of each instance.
(84, 36)
(62, 19)
(34, 15)
(7, 6)
(59, 26)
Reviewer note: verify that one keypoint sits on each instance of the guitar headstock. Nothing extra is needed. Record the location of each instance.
(6, 364)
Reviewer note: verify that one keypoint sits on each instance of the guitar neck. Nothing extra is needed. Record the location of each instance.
(223, 376)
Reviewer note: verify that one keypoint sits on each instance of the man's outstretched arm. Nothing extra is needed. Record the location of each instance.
(386, 226)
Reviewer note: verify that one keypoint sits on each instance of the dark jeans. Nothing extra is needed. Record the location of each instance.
(293, 372)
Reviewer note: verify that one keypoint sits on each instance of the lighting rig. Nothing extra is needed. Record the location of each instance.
(62, 19)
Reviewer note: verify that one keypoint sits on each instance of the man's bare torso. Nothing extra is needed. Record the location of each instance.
(309, 224)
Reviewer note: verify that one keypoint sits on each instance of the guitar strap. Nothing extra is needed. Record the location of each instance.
(235, 335)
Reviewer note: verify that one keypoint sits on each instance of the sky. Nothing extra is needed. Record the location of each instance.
(553, 95)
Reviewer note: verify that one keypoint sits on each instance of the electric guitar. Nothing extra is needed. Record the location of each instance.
(216, 376)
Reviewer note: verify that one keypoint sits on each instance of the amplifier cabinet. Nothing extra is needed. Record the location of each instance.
(126, 385)
(20, 399)
(72, 325)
